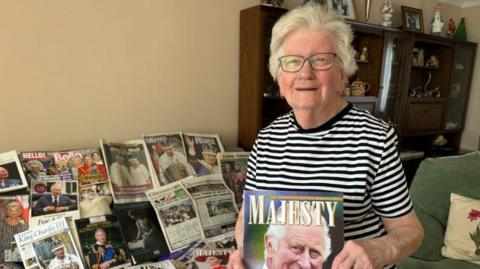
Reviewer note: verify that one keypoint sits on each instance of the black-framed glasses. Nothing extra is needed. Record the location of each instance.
(318, 62)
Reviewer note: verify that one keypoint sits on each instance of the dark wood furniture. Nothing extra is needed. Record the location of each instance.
(421, 101)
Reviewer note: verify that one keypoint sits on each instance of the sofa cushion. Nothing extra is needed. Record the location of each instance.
(431, 245)
(434, 181)
(463, 224)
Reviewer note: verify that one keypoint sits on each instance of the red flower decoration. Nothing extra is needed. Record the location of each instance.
(474, 215)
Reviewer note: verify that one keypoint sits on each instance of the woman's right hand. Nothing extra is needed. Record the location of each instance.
(236, 259)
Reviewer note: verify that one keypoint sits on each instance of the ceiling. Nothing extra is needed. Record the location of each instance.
(461, 3)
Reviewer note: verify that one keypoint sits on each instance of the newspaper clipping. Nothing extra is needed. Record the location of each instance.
(234, 172)
(215, 206)
(142, 232)
(167, 156)
(127, 168)
(201, 150)
(176, 214)
(49, 246)
(11, 172)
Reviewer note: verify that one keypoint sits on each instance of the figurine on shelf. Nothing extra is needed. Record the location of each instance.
(359, 88)
(364, 54)
(437, 21)
(435, 92)
(433, 61)
(451, 28)
(387, 11)
(415, 92)
(439, 141)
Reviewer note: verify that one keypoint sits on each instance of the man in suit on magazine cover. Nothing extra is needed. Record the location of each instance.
(55, 202)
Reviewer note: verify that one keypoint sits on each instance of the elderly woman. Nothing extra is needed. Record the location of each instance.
(10, 225)
(326, 144)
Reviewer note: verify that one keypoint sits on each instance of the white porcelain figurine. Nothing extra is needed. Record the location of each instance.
(387, 11)
(437, 22)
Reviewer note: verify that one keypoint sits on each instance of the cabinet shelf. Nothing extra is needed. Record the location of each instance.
(426, 67)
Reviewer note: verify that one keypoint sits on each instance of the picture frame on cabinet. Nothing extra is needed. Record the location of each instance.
(412, 19)
(344, 7)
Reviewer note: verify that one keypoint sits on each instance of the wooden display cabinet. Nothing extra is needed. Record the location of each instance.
(402, 89)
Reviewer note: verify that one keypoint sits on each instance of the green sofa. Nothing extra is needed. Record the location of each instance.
(434, 180)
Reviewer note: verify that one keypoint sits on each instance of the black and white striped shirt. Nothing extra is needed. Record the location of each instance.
(353, 153)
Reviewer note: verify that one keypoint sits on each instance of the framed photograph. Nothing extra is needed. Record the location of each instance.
(344, 7)
(412, 19)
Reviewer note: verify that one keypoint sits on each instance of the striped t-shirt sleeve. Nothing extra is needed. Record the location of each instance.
(389, 191)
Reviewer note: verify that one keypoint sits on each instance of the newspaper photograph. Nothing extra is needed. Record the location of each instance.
(215, 206)
(87, 166)
(167, 156)
(176, 215)
(234, 172)
(166, 264)
(52, 200)
(207, 258)
(142, 232)
(11, 172)
(14, 218)
(49, 246)
(201, 151)
(39, 165)
(128, 171)
(102, 242)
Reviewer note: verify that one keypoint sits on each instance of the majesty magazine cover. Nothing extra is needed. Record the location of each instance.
(282, 228)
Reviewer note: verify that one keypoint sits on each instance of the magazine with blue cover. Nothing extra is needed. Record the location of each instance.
(284, 228)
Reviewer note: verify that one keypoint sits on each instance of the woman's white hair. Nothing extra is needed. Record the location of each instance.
(317, 17)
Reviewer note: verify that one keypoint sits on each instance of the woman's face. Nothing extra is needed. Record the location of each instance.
(308, 89)
(212, 260)
(13, 212)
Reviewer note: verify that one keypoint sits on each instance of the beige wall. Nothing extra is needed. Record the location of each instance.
(74, 71)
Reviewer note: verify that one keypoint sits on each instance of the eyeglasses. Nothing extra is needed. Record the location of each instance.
(318, 62)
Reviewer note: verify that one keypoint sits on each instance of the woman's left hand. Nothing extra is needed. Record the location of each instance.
(359, 254)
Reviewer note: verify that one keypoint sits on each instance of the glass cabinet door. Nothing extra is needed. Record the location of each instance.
(461, 78)
(397, 59)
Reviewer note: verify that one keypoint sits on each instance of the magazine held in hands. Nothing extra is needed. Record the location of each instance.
(274, 221)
